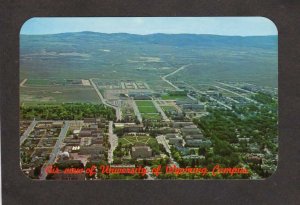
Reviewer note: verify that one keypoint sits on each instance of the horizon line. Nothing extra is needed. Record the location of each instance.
(86, 31)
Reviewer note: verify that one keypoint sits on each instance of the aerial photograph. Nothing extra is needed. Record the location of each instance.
(148, 98)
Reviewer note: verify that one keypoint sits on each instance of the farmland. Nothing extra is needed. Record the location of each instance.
(58, 94)
(84, 55)
(139, 96)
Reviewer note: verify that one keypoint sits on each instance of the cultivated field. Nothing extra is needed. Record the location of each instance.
(58, 94)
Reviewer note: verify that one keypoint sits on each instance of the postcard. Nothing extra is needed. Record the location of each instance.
(148, 98)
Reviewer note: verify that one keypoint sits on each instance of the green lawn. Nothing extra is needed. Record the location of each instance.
(137, 139)
(151, 116)
(142, 103)
(148, 109)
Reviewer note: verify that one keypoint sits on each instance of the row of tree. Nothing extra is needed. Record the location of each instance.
(66, 111)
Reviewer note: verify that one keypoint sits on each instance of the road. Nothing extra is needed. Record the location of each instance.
(23, 82)
(55, 149)
(196, 90)
(211, 98)
(233, 100)
(191, 97)
(149, 172)
(113, 140)
(164, 78)
(28, 131)
(179, 69)
(136, 111)
(163, 114)
(116, 108)
(162, 140)
(220, 103)
(246, 98)
(240, 89)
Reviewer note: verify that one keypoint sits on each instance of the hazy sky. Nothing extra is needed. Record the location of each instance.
(241, 26)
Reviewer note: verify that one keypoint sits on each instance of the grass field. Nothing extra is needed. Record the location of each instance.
(148, 109)
(38, 82)
(141, 103)
(57, 94)
(146, 106)
(126, 140)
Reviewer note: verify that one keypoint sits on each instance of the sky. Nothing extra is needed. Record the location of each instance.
(229, 26)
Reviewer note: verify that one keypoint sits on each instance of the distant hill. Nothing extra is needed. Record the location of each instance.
(161, 39)
(88, 54)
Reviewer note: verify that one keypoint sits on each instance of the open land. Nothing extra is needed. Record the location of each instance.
(129, 100)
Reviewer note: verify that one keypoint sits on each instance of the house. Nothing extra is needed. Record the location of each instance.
(190, 131)
(181, 124)
(171, 135)
(63, 176)
(193, 143)
(133, 128)
(89, 120)
(254, 159)
(94, 126)
(97, 157)
(197, 136)
(93, 149)
(85, 133)
(197, 143)
(97, 140)
(176, 140)
(193, 107)
(85, 141)
(72, 142)
(141, 151)
(57, 124)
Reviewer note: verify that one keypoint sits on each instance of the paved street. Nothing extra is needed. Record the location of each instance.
(211, 98)
(163, 114)
(230, 91)
(28, 131)
(117, 109)
(149, 172)
(113, 140)
(231, 86)
(136, 111)
(162, 140)
(55, 149)
(164, 78)
(23, 82)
